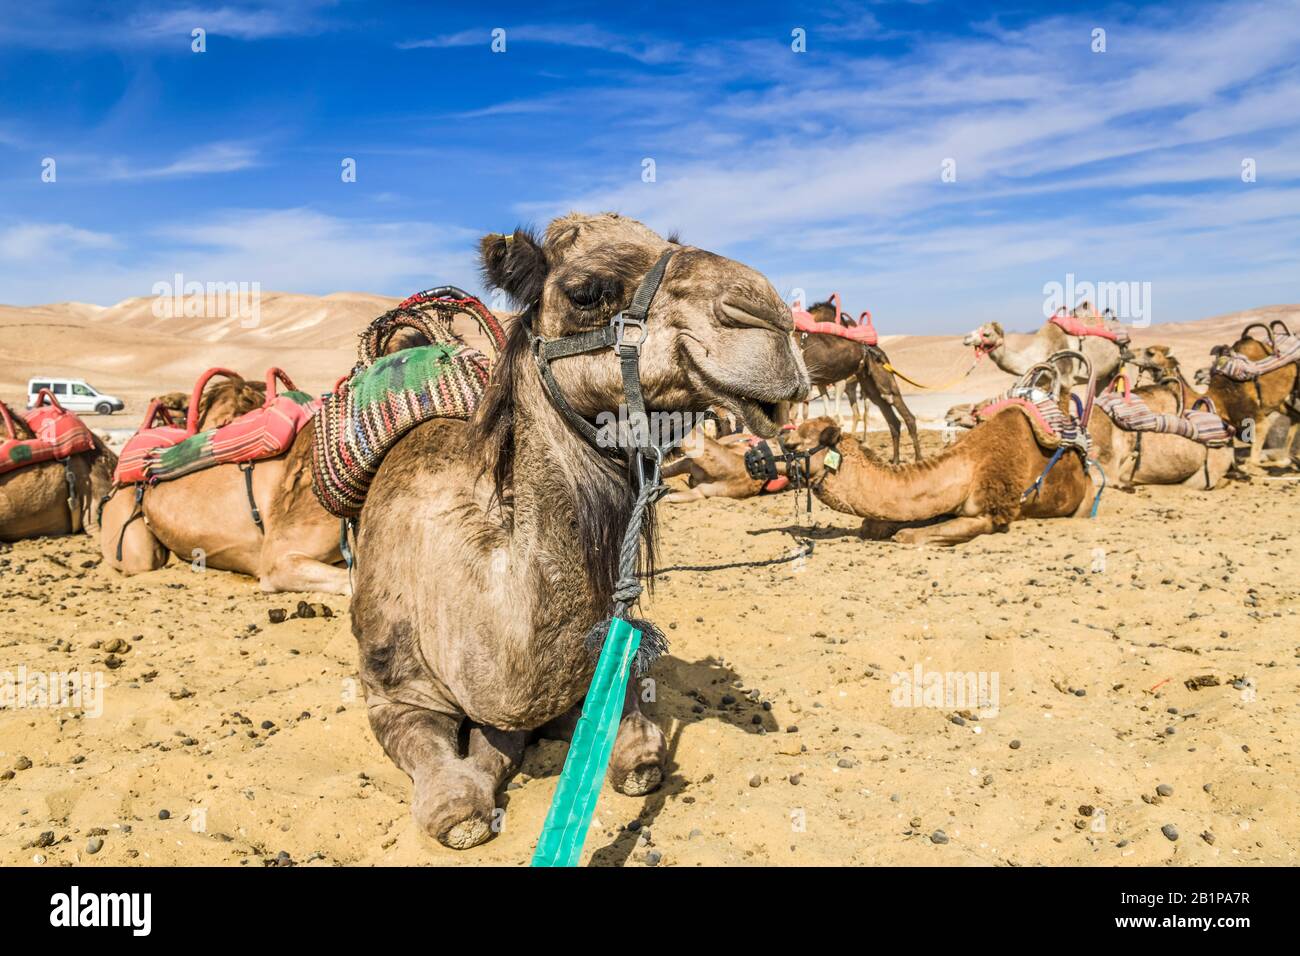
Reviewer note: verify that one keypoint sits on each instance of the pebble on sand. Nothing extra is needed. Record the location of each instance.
(938, 836)
(1165, 790)
(95, 845)
(1170, 831)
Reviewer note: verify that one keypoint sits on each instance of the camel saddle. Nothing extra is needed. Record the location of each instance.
(163, 450)
(863, 332)
(391, 390)
(1131, 414)
(1234, 365)
(1073, 325)
(60, 434)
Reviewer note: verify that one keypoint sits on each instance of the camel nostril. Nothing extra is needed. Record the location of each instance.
(754, 313)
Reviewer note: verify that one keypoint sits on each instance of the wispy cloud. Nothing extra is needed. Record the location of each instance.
(582, 36)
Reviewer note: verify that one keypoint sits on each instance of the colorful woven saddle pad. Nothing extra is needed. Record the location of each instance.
(59, 433)
(1241, 369)
(389, 394)
(166, 452)
(1052, 427)
(1130, 413)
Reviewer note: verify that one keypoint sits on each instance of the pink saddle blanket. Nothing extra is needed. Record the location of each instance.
(864, 333)
(1072, 325)
(161, 452)
(60, 434)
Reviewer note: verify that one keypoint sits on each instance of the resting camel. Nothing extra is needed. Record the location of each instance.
(487, 550)
(34, 499)
(831, 359)
(972, 487)
(715, 468)
(1131, 458)
(1247, 406)
(1105, 355)
(206, 513)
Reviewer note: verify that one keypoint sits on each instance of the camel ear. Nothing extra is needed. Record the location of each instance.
(515, 263)
(830, 436)
(997, 327)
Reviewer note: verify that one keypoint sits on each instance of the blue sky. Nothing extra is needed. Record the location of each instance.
(822, 168)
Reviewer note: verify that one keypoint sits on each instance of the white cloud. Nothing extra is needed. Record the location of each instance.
(34, 243)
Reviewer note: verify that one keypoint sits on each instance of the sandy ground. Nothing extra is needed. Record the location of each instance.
(788, 742)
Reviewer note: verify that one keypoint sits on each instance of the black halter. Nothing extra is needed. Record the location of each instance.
(760, 463)
(628, 348)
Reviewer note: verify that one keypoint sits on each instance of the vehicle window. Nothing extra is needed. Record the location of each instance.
(81, 390)
(37, 386)
(60, 388)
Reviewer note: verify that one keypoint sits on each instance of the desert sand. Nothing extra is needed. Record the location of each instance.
(226, 739)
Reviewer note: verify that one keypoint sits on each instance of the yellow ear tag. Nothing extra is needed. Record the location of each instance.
(833, 460)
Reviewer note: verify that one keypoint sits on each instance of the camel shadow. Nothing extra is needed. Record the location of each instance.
(681, 693)
(801, 533)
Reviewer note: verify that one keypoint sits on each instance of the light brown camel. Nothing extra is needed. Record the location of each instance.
(1131, 458)
(832, 358)
(206, 515)
(487, 551)
(972, 487)
(1105, 355)
(34, 499)
(715, 468)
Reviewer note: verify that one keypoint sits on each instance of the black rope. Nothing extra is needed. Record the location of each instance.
(804, 551)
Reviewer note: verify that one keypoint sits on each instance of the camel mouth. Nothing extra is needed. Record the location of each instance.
(761, 418)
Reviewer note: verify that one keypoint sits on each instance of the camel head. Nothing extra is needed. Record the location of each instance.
(224, 401)
(717, 333)
(816, 435)
(986, 338)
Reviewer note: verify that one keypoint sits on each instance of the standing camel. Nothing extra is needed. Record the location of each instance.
(487, 550)
(50, 497)
(207, 513)
(831, 359)
(1105, 355)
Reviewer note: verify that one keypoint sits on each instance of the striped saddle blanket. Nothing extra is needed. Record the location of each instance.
(1237, 367)
(1052, 427)
(1130, 413)
(167, 452)
(60, 434)
(387, 395)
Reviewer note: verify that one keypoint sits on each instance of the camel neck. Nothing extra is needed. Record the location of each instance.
(571, 504)
(869, 488)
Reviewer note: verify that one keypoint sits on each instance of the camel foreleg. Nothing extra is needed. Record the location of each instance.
(948, 533)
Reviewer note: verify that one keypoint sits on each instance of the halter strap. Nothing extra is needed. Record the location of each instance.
(614, 335)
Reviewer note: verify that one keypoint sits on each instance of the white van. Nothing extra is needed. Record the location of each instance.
(75, 395)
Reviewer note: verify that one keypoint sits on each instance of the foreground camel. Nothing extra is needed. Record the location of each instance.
(831, 359)
(1106, 356)
(206, 515)
(487, 550)
(34, 499)
(972, 487)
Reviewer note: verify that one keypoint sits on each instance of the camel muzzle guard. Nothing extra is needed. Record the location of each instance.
(625, 646)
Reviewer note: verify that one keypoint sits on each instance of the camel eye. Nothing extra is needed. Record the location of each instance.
(592, 292)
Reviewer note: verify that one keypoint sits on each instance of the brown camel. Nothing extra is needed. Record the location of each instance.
(832, 359)
(34, 499)
(487, 550)
(1246, 406)
(972, 487)
(206, 515)
(1106, 356)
